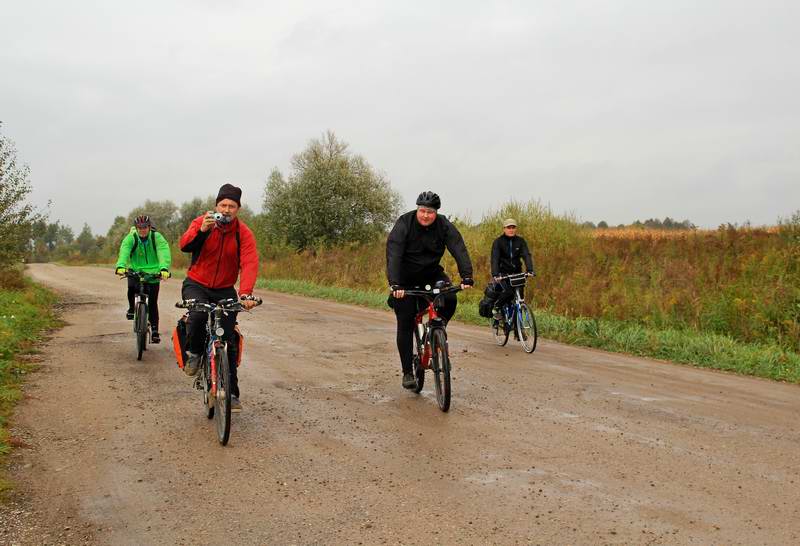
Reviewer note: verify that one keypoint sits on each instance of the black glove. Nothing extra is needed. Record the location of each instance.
(468, 282)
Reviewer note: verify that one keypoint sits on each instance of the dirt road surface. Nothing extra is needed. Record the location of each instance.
(564, 446)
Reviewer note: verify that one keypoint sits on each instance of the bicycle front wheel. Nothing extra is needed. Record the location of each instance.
(526, 329)
(140, 327)
(223, 399)
(205, 377)
(441, 368)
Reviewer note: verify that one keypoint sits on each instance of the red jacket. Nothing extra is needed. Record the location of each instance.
(217, 257)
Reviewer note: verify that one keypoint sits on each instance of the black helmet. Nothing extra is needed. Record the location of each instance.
(142, 221)
(429, 199)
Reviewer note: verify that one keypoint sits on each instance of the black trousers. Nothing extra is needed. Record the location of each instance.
(405, 310)
(152, 299)
(196, 326)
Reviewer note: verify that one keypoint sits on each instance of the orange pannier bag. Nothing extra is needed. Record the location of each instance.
(180, 340)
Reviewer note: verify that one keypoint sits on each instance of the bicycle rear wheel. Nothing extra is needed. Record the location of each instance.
(223, 399)
(140, 327)
(526, 329)
(499, 331)
(440, 360)
(419, 371)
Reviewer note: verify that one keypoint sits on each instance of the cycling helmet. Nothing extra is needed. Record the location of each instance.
(142, 221)
(429, 199)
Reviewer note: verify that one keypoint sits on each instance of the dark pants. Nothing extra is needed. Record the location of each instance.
(405, 310)
(506, 294)
(152, 299)
(196, 326)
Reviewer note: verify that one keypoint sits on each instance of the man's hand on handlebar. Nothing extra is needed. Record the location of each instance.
(120, 271)
(248, 301)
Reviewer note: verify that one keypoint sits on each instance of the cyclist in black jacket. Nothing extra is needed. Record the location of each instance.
(508, 251)
(414, 248)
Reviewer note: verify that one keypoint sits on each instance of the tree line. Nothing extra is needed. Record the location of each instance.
(329, 197)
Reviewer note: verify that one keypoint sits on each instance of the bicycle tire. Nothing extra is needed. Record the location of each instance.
(140, 327)
(223, 399)
(500, 333)
(419, 371)
(526, 328)
(205, 373)
(440, 360)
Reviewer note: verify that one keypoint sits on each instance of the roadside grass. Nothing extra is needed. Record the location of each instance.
(25, 313)
(684, 346)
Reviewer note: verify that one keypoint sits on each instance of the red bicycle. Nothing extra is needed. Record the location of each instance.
(430, 347)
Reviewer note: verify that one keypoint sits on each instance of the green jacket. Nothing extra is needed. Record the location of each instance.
(151, 255)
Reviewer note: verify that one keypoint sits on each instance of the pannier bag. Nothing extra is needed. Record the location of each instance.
(490, 295)
(180, 341)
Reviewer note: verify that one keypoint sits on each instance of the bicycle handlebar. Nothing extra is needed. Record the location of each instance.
(432, 293)
(226, 305)
(141, 275)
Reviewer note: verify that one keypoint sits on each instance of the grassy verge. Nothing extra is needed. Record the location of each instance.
(25, 314)
(684, 346)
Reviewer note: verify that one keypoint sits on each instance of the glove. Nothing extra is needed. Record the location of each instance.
(468, 282)
(165, 274)
(120, 271)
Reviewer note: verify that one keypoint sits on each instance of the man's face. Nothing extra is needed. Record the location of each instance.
(426, 216)
(510, 231)
(228, 207)
(143, 231)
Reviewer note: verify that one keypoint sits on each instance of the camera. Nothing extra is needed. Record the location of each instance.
(221, 218)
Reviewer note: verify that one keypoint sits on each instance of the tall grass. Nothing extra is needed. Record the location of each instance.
(743, 283)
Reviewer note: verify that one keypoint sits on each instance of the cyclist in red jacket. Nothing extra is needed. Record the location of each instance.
(221, 246)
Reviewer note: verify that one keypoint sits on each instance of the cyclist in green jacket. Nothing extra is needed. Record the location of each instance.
(146, 250)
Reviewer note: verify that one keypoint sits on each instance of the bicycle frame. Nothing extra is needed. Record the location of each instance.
(511, 309)
(424, 329)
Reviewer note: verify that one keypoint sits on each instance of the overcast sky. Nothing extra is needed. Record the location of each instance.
(612, 110)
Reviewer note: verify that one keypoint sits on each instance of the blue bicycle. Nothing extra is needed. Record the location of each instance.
(515, 316)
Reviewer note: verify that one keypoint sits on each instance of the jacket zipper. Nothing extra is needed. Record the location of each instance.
(221, 248)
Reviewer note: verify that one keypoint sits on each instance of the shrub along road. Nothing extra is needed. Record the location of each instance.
(566, 445)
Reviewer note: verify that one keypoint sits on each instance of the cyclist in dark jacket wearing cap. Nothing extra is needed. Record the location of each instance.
(508, 252)
(414, 249)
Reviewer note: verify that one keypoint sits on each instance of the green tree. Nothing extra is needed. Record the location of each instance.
(85, 242)
(332, 197)
(16, 215)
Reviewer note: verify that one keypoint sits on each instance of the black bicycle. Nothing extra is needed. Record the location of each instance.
(515, 316)
(141, 323)
(214, 377)
(430, 343)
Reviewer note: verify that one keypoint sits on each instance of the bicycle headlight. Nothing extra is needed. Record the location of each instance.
(220, 331)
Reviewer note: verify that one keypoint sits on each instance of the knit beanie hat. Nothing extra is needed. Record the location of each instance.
(229, 191)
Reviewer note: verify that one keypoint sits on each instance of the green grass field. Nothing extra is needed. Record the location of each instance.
(25, 315)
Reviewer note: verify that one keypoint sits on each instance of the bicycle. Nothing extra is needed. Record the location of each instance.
(515, 316)
(430, 343)
(214, 377)
(141, 323)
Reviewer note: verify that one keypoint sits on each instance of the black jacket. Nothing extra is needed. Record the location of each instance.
(413, 251)
(507, 255)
